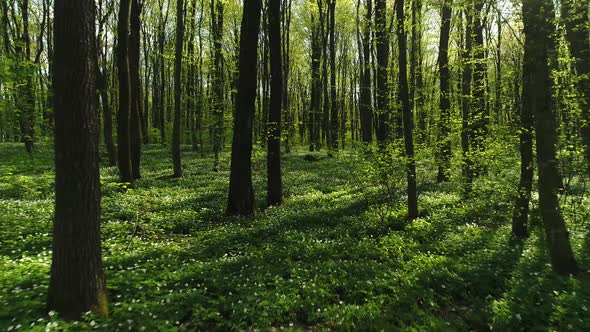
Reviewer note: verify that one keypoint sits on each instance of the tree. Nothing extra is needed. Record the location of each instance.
(102, 86)
(77, 282)
(366, 108)
(520, 213)
(466, 101)
(27, 100)
(406, 111)
(123, 116)
(334, 117)
(178, 89)
(135, 89)
(241, 193)
(314, 111)
(274, 181)
(218, 77)
(382, 46)
(445, 91)
(577, 23)
(539, 48)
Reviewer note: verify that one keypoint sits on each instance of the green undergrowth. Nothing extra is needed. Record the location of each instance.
(330, 258)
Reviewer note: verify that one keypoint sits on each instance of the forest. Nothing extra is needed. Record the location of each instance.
(298, 165)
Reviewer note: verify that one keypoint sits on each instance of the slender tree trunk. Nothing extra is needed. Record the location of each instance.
(366, 109)
(382, 47)
(466, 104)
(521, 207)
(77, 282)
(27, 100)
(479, 115)
(218, 79)
(407, 111)
(274, 180)
(334, 117)
(444, 140)
(135, 85)
(539, 29)
(123, 117)
(314, 118)
(102, 86)
(241, 192)
(577, 23)
(178, 89)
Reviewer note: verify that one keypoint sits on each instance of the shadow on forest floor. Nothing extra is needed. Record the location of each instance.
(323, 260)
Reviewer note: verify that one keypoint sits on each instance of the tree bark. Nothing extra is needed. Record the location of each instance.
(77, 282)
(382, 47)
(274, 180)
(366, 108)
(176, 161)
(241, 193)
(577, 23)
(334, 117)
(407, 111)
(466, 101)
(444, 140)
(135, 85)
(123, 116)
(540, 47)
(218, 79)
(314, 116)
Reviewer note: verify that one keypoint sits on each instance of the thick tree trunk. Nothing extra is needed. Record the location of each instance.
(539, 46)
(274, 180)
(77, 282)
(177, 89)
(407, 111)
(444, 140)
(241, 193)
(123, 116)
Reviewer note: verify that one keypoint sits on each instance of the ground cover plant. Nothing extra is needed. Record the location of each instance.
(326, 259)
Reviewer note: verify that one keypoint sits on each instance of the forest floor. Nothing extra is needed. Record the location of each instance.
(338, 255)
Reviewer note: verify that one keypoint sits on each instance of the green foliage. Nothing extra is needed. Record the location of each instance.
(323, 261)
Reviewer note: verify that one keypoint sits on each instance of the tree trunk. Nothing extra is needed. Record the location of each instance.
(444, 140)
(538, 28)
(27, 100)
(135, 85)
(123, 117)
(177, 89)
(366, 109)
(479, 116)
(466, 102)
(274, 180)
(241, 193)
(334, 117)
(314, 118)
(577, 23)
(382, 46)
(77, 282)
(407, 112)
(218, 79)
